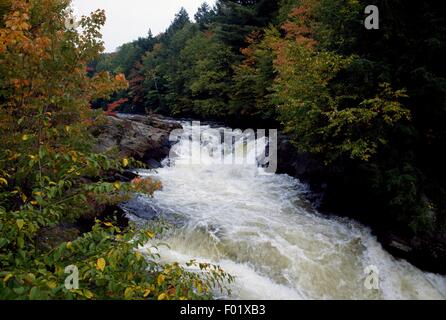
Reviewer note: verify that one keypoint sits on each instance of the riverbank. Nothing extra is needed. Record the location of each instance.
(143, 138)
(146, 139)
(260, 229)
(337, 191)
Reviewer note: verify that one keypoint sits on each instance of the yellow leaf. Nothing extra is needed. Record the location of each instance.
(146, 293)
(199, 287)
(162, 296)
(3, 181)
(138, 255)
(167, 270)
(24, 197)
(183, 298)
(67, 128)
(34, 203)
(25, 137)
(9, 276)
(128, 293)
(69, 245)
(150, 234)
(100, 264)
(108, 224)
(117, 185)
(161, 279)
(15, 156)
(20, 223)
(88, 294)
(52, 284)
(125, 162)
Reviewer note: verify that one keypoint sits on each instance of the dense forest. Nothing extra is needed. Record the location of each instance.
(368, 105)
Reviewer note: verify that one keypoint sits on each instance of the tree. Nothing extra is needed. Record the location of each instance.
(204, 16)
(207, 62)
(180, 21)
(49, 174)
(236, 19)
(253, 79)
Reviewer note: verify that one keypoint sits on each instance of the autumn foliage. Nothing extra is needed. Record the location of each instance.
(366, 104)
(49, 175)
(111, 107)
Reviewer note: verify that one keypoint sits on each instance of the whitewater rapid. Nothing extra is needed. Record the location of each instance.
(260, 229)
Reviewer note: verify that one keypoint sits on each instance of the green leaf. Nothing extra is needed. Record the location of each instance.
(20, 242)
(3, 242)
(20, 223)
(35, 293)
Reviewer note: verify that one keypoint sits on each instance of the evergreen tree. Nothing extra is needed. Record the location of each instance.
(204, 16)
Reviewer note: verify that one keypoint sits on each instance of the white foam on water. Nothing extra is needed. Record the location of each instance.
(259, 229)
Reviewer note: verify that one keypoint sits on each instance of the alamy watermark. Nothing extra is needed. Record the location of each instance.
(372, 20)
(72, 281)
(205, 145)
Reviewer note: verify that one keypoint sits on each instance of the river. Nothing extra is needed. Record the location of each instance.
(259, 228)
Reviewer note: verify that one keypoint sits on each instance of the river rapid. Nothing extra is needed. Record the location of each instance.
(259, 228)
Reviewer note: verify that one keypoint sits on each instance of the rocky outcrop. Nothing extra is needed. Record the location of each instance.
(144, 138)
(334, 190)
(303, 166)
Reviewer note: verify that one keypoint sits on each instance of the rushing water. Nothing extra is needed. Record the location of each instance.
(260, 229)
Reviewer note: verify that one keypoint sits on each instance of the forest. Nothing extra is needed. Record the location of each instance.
(367, 106)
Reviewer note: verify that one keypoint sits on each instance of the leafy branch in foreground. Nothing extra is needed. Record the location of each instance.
(49, 175)
(111, 266)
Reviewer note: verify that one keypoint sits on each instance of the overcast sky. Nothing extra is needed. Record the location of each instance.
(129, 19)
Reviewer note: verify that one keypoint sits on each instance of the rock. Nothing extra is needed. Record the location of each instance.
(400, 246)
(128, 176)
(153, 164)
(141, 137)
(135, 136)
(335, 190)
(426, 251)
(142, 207)
(113, 175)
(49, 238)
(303, 166)
(104, 212)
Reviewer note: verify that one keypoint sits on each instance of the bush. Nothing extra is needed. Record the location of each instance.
(49, 174)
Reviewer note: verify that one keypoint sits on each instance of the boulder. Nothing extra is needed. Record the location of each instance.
(146, 208)
(142, 207)
(134, 136)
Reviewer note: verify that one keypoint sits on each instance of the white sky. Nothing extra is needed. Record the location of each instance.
(129, 19)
